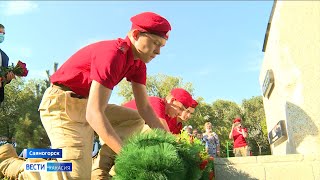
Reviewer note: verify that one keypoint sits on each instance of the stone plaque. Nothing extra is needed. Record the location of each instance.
(268, 84)
(278, 132)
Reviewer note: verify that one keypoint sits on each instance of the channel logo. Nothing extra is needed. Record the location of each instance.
(35, 167)
(48, 167)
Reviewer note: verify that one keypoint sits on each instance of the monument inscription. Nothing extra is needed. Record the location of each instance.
(268, 83)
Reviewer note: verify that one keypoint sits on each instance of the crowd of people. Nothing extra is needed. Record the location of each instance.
(211, 142)
(76, 106)
(208, 138)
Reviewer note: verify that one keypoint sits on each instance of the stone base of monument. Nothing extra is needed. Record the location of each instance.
(269, 167)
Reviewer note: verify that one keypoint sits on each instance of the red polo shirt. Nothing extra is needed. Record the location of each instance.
(106, 62)
(239, 140)
(159, 107)
(175, 126)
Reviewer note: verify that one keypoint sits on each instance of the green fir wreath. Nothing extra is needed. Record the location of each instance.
(158, 155)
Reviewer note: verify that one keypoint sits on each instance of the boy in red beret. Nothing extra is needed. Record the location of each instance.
(238, 134)
(175, 106)
(167, 110)
(76, 104)
(175, 124)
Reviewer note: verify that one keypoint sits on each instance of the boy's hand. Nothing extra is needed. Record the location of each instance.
(232, 125)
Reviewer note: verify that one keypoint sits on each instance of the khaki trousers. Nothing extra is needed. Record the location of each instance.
(241, 151)
(125, 122)
(63, 118)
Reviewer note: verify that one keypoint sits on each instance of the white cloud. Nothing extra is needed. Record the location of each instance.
(18, 7)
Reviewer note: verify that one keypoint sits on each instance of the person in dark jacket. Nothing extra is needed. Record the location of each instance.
(4, 61)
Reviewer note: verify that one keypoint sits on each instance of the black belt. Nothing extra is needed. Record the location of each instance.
(65, 88)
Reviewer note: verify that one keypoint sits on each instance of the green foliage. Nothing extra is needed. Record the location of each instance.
(255, 120)
(19, 116)
(191, 151)
(30, 134)
(202, 114)
(9, 110)
(149, 156)
(159, 155)
(209, 170)
(221, 114)
(55, 68)
(158, 85)
(224, 113)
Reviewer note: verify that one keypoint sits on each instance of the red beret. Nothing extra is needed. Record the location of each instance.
(182, 96)
(152, 23)
(236, 120)
(194, 103)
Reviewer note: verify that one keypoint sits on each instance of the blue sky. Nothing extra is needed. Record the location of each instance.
(215, 45)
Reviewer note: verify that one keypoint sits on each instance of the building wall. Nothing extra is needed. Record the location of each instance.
(293, 54)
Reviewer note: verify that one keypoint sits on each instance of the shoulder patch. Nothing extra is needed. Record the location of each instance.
(123, 47)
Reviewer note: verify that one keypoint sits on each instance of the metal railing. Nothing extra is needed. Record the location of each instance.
(228, 149)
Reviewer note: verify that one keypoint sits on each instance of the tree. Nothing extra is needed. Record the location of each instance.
(201, 115)
(19, 116)
(223, 113)
(30, 134)
(255, 120)
(55, 68)
(12, 107)
(158, 85)
(21, 104)
(220, 114)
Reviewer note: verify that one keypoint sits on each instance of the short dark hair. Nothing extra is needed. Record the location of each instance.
(1, 26)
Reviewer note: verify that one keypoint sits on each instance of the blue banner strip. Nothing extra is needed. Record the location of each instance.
(44, 153)
(58, 166)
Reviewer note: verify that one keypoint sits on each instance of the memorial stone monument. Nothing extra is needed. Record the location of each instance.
(290, 77)
(290, 85)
